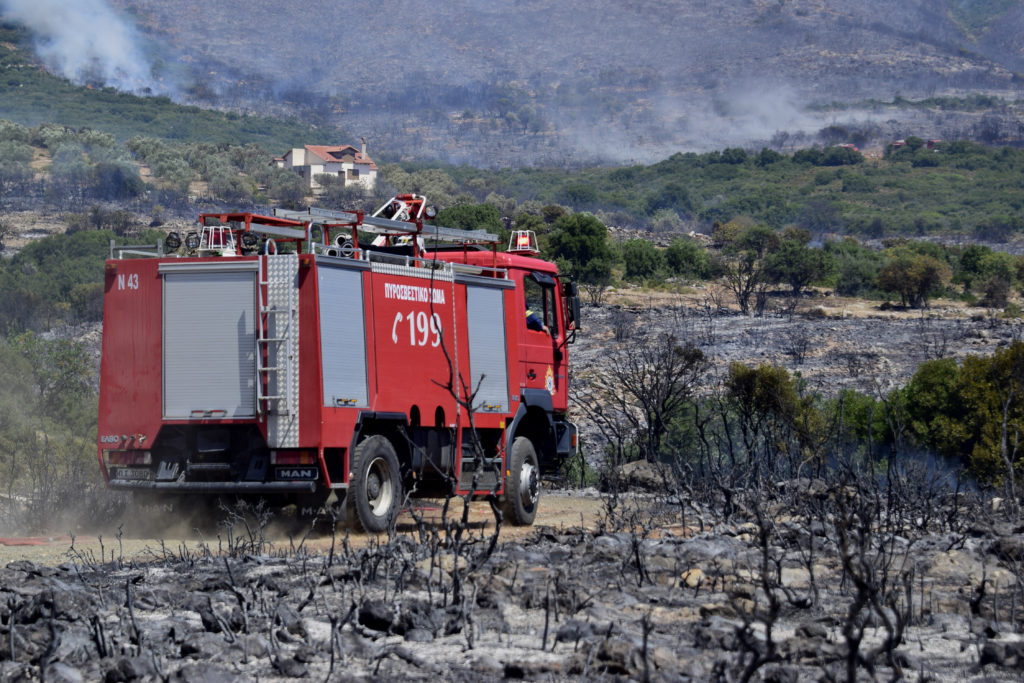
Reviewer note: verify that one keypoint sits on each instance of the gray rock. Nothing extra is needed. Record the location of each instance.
(487, 665)
(812, 630)
(291, 620)
(1008, 655)
(645, 476)
(290, 668)
(60, 672)
(780, 673)
(203, 673)
(304, 654)
(573, 631)
(716, 633)
(1009, 548)
(420, 616)
(130, 669)
(377, 615)
(702, 550)
(419, 635)
(253, 645)
(202, 646)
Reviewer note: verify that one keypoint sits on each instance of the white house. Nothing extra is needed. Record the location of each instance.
(345, 161)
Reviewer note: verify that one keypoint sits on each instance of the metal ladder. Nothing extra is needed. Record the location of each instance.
(273, 354)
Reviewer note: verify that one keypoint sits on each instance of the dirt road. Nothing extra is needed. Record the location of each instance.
(558, 509)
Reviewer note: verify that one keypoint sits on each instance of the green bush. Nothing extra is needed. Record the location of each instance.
(688, 258)
(641, 258)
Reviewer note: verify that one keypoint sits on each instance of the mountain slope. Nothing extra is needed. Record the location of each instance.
(500, 82)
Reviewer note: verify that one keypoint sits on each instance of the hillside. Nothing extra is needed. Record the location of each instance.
(517, 82)
(499, 83)
(31, 96)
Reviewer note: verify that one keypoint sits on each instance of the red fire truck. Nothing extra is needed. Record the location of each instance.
(331, 358)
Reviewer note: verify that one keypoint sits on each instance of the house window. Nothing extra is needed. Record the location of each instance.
(353, 174)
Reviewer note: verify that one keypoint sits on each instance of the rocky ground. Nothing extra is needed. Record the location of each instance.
(834, 343)
(790, 586)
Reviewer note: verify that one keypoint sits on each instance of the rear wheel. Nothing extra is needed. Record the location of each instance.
(375, 488)
(522, 483)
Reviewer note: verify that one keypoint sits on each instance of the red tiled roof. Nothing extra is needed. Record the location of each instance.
(336, 152)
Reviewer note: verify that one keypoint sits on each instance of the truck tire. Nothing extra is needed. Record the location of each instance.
(375, 487)
(522, 487)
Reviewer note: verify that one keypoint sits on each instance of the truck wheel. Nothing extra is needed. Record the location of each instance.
(522, 488)
(375, 489)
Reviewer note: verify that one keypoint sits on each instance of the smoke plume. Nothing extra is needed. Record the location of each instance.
(87, 42)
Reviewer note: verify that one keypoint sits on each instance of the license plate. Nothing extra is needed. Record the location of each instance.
(133, 473)
(296, 473)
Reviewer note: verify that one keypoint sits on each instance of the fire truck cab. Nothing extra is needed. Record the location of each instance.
(325, 357)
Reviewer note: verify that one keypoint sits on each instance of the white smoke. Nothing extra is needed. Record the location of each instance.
(743, 113)
(86, 42)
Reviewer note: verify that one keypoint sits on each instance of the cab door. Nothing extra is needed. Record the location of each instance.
(541, 358)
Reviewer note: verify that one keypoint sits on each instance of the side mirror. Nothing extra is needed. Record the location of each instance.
(574, 312)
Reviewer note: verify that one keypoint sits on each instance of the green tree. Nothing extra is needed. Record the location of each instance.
(15, 168)
(116, 181)
(688, 258)
(841, 156)
(970, 266)
(759, 239)
(641, 258)
(993, 389)
(531, 221)
(61, 372)
(287, 187)
(855, 267)
(14, 132)
(998, 270)
(231, 188)
(936, 408)
(767, 157)
(672, 196)
(774, 418)
(438, 186)
(796, 264)
(472, 217)
(974, 412)
(913, 276)
(581, 239)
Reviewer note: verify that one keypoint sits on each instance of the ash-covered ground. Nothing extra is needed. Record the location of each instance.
(811, 580)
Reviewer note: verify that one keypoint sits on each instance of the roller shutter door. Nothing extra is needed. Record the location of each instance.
(209, 344)
(487, 348)
(342, 336)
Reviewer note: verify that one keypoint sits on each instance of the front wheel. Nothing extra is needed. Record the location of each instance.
(522, 485)
(375, 489)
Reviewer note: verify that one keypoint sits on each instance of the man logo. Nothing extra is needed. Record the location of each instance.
(297, 473)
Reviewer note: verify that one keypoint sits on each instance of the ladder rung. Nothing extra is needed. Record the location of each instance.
(272, 339)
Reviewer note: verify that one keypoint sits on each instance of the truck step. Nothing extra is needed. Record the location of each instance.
(469, 464)
(486, 480)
